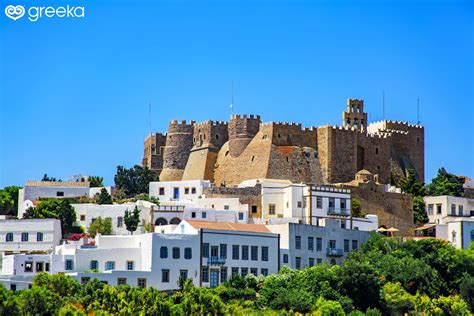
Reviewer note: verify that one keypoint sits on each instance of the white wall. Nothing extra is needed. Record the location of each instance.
(50, 228)
(446, 203)
(181, 186)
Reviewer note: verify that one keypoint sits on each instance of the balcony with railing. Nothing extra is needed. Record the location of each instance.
(334, 252)
(215, 261)
(335, 211)
(169, 208)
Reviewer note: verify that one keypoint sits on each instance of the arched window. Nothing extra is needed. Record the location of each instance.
(175, 221)
(161, 221)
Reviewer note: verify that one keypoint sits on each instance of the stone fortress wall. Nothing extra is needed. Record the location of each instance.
(246, 148)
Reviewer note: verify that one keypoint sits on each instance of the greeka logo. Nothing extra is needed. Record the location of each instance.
(14, 12)
(35, 13)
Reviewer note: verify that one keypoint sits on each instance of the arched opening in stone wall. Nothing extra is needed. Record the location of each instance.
(175, 221)
(360, 157)
(161, 221)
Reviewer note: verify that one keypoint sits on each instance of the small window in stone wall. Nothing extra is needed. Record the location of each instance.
(287, 159)
(226, 153)
(418, 140)
(316, 154)
(253, 158)
(376, 150)
(217, 136)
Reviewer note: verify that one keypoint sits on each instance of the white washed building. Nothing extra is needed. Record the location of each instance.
(304, 245)
(29, 235)
(189, 190)
(201, 251)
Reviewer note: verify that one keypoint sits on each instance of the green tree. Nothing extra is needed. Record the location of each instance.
(133, 181)
(54, 208)
(100, 225)
(327, 307)
(104, 197)
(445, 183)
(397, 300)
(410, 184)
(96, 181)
(467, 291)
(47, 178)
(356, 208)
(9, 200)
(419, 213)
(132, 219)
(38, 301)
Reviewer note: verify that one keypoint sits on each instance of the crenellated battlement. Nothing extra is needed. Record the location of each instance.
(211, 123)
(244, 116)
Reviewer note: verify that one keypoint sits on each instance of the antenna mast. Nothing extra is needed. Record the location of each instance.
(232, 98)
(383, 105)
(418, 110)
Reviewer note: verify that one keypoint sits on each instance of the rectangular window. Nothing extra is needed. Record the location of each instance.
(214, 251)
(83, 217)
(205, 250)
(438, 208)
(245, 252)
(332, 203)
(186, 190)
(299, 204)
(69, 264)
(121, 281)
(285, 258)
(264, 271)
(205, 274)
(193, 214)
(188, 253)
(130, 265)
(223, 251)
(9, 237)
(120, 221)
(226, 207)
(311, 243)
(110, 265)
(332, 244)
(84, 280)
(46, 266)
(161, 191)
(163, 252)
(298, 262)
(24, 236)
(319, 260)
(94, 265)
(346, 245)
(223, 274)
(254, 209)
(311, 262)
(235, 271)
(254, 271)
(319, 244)
(193, 190)
(244, 271)
(29, 266)
(60, 193)
(39, 236)
(460, 210)
(264, 253)
(319, 202)
(271, 209)
(235, 252)
(342, 203)
(254, 253)
(165, 276)
(39, 266)
(241, 216)
(176, 253)
(453, 209)
(298, 242)
(183, 274)
(204, 215)
(354, 245)
(430, 209)
(141, 282)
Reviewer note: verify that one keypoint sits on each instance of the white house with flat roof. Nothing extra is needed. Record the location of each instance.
(445, 208)
(189, 190)
(304, 245)
(29, 235)
(35, 190)
(206, 252)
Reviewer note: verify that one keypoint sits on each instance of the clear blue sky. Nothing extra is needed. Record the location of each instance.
(75, 92)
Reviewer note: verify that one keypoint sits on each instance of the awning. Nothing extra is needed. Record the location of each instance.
(426, 227)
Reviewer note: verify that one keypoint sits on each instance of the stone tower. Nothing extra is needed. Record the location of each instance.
(179, 141)
(153, 152)
(242, 129)
(208, 138)
(355, 116)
